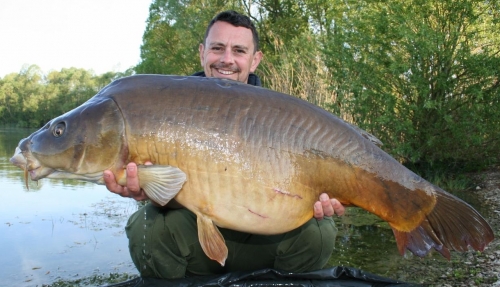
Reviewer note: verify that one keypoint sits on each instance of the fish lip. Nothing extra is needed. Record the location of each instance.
(40, 172)
(33, 173)
(18, 159)
(25, 160)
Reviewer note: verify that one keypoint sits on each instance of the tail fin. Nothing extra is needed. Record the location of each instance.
(451, 225)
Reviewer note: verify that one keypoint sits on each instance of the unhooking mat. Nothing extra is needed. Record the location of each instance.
(331, 277)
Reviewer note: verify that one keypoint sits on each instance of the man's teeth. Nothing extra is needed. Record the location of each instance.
(225, 72)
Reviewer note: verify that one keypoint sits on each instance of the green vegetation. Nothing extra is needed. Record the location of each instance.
(31, 99)
(422, 76)
(95, 280)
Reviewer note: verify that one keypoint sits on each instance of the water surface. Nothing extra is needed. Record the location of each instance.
(57, 229)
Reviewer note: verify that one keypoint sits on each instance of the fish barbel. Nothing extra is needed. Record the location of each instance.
(245, 158)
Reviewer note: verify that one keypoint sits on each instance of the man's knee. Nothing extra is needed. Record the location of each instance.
(309, 247)
(154, 243)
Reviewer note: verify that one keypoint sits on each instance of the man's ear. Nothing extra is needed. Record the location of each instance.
(257, 57)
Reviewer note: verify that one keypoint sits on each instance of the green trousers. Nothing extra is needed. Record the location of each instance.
(164, 244)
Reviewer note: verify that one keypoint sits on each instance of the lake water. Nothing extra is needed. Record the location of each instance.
(57, 229)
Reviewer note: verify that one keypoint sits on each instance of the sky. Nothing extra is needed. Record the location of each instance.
(98, 35)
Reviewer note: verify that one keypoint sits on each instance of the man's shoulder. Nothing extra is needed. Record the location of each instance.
(253, 79)
(199, 74)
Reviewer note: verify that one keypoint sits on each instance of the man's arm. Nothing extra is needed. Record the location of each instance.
(324, 207)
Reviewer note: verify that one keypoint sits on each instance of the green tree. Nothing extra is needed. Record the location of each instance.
(421, 75)
(67, 89)
(30, 98)
(19, 96)
(9, 100)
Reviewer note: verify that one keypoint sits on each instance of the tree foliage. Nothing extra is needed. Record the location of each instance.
(30, 98)
(421, 75)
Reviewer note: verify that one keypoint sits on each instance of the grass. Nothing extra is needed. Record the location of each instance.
(94, 280)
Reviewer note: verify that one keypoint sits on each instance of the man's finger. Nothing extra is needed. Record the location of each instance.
(132, 179)
(338, 208)
(111, 184)
(328, 209)
(318, 211)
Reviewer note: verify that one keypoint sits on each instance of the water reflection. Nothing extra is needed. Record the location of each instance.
(57, 229)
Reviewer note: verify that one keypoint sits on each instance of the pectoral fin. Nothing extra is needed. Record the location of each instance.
(161, 183)
(211, 240)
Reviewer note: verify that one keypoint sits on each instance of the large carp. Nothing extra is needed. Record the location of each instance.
(244, 158)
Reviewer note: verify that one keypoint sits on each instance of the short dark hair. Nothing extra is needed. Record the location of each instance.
(238, 20)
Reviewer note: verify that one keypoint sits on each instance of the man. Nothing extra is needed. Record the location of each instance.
(164, 242)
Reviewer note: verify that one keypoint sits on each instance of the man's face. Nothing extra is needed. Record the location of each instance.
(229, 52)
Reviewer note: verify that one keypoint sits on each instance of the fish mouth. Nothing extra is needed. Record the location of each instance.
(32, 168)
(18, 159)
(39, 172)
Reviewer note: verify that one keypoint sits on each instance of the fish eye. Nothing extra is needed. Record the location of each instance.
(58, 129)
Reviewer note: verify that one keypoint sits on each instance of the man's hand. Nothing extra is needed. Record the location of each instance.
(327, 207)
(132, 190)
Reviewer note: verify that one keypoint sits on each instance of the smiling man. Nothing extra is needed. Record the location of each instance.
(231, 51)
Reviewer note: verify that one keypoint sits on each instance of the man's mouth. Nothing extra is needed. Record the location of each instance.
(225, 72)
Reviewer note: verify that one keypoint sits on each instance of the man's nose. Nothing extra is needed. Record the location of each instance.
(227, 57)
